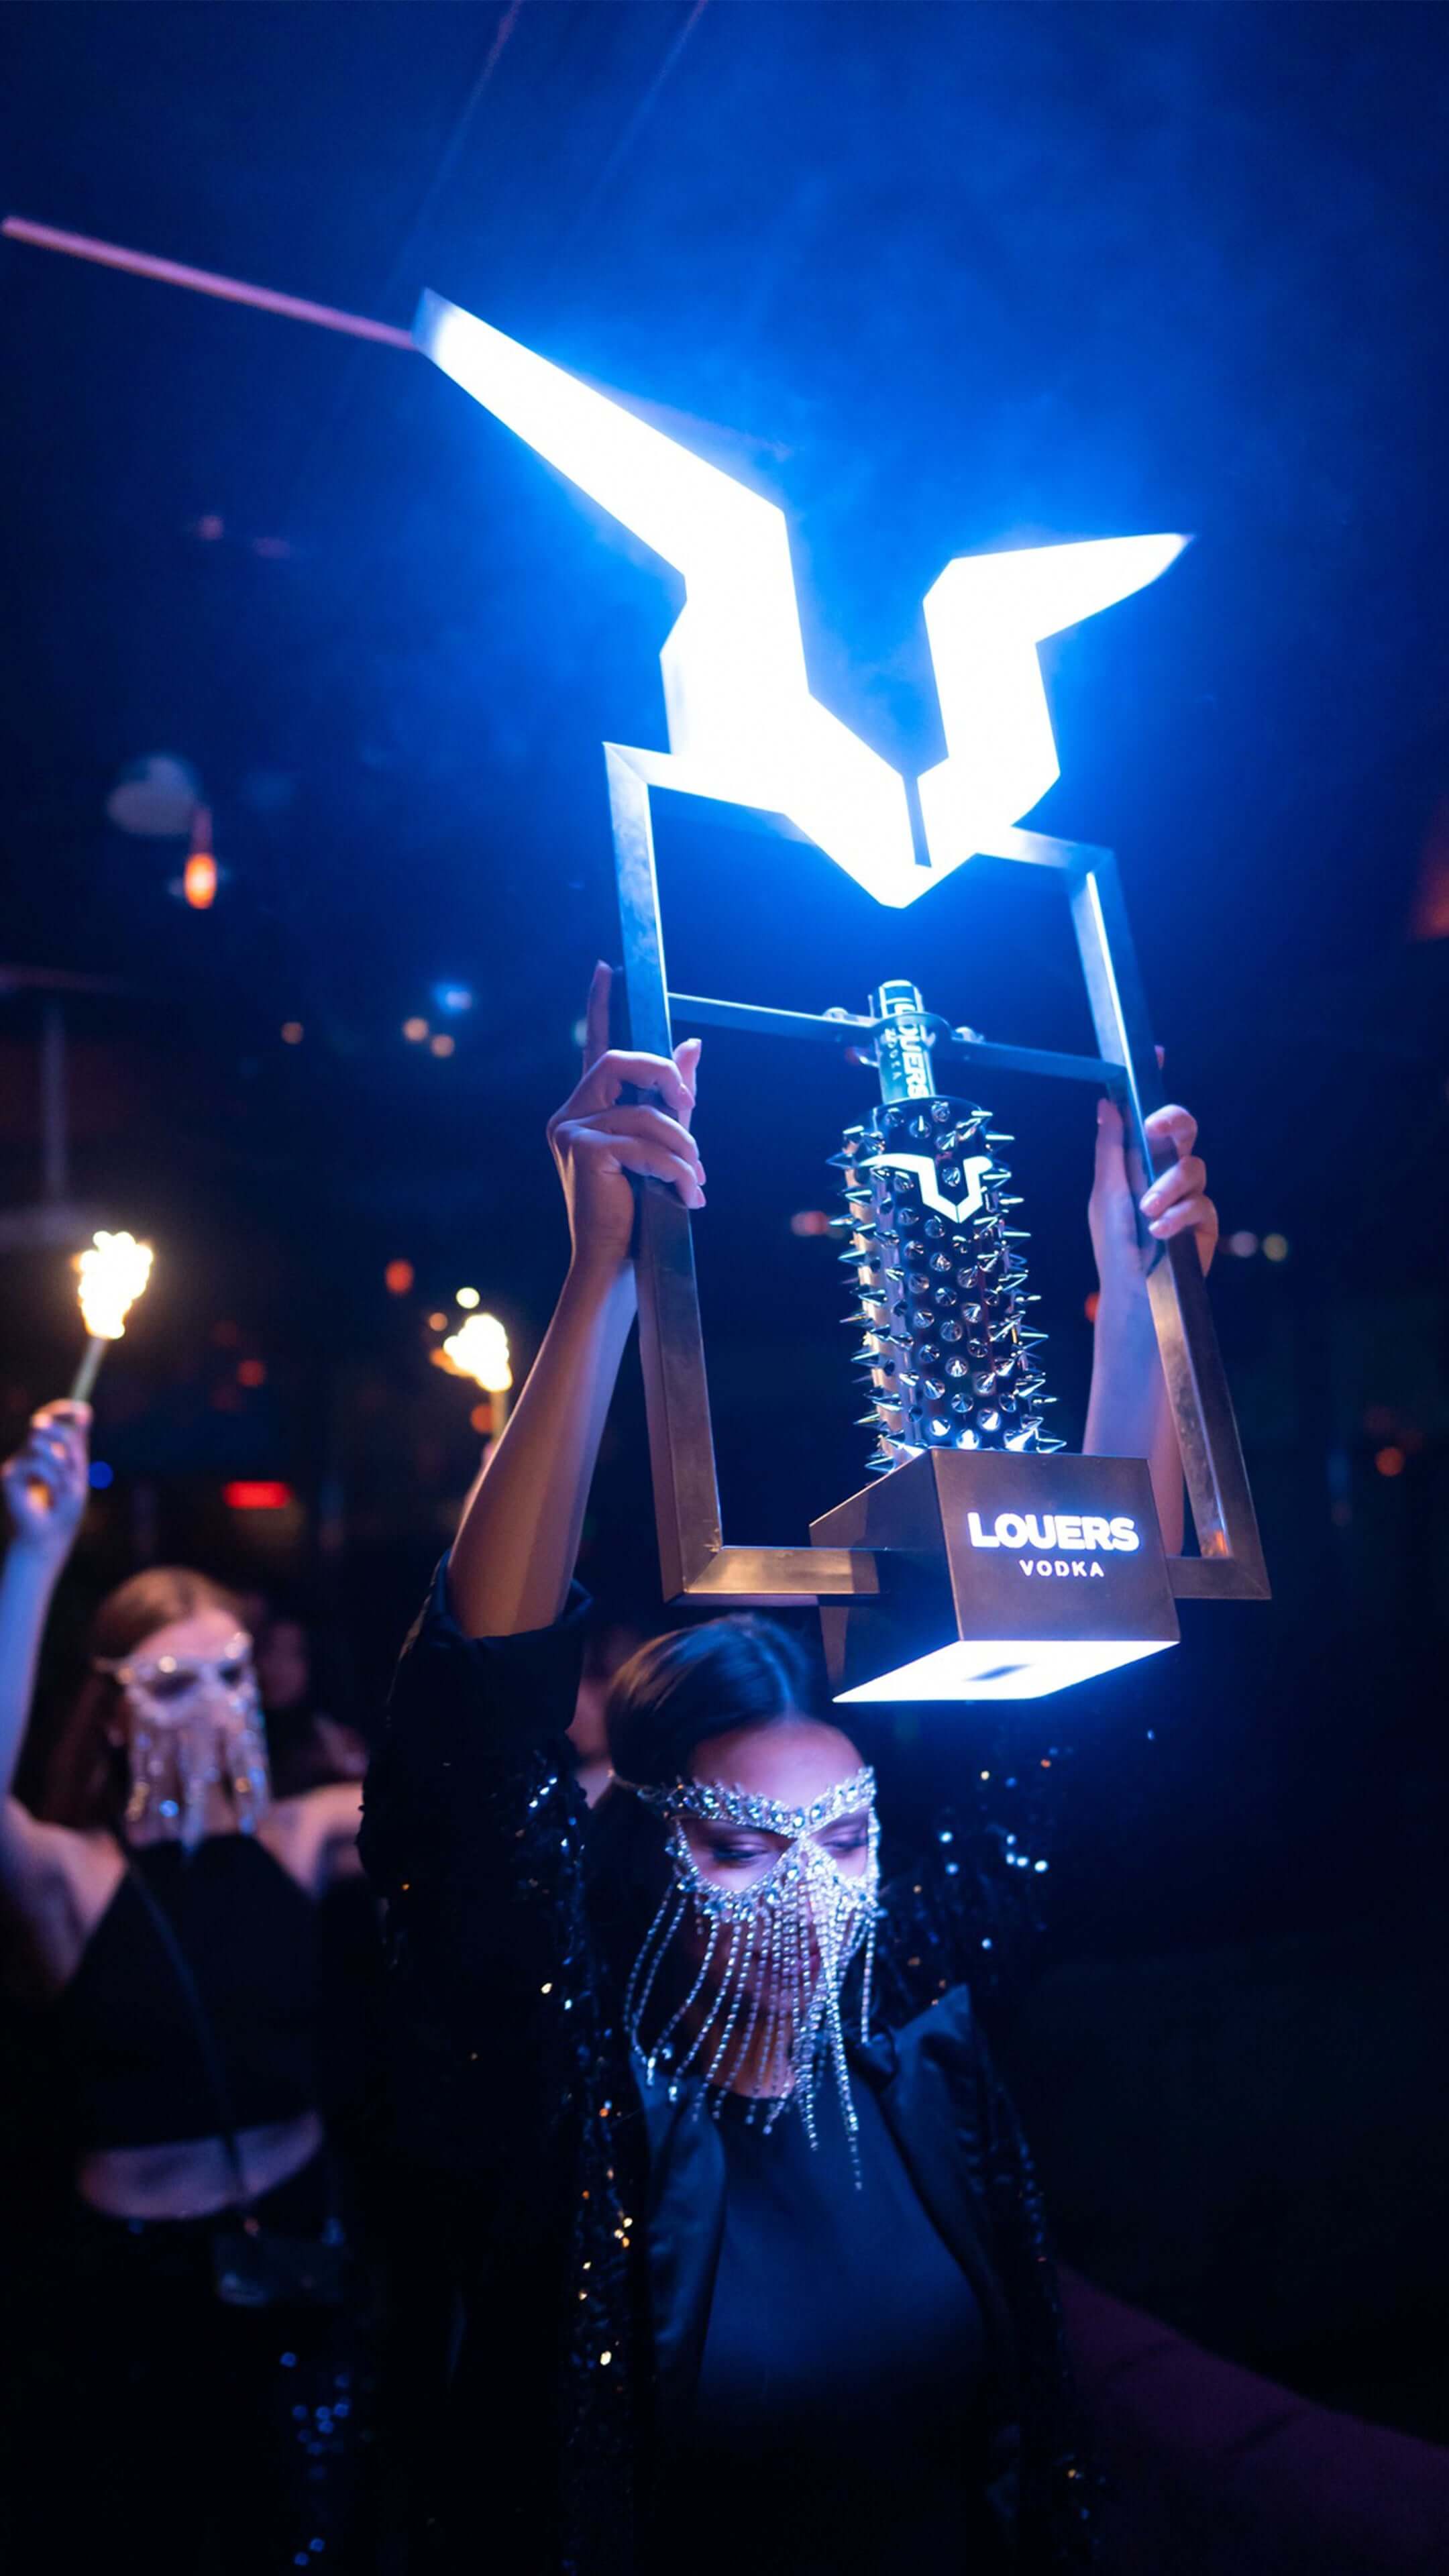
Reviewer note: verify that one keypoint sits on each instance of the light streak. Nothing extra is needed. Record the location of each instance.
(202, 281)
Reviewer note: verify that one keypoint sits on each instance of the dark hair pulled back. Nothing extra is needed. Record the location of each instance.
(680, 1689)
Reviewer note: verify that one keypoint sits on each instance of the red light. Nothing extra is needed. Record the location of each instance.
(397, 1278)
(1389, 1462)
(252, 1373)
(1090, 1305)
(258, 1494)
(810, 1221)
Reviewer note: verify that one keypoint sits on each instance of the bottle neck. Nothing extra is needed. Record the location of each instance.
(903, 1047)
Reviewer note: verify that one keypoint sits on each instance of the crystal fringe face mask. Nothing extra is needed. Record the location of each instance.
(766, 1989)
(195, 1728)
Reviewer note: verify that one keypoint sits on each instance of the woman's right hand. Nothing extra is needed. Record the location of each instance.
(599, 1141)
(47, 1482)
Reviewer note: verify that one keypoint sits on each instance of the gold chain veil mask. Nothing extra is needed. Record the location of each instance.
(776, 1953)
(195, 1722)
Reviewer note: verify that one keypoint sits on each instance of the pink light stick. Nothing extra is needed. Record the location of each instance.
(203, 281)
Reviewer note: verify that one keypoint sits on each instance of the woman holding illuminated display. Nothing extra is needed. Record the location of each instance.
(816, 2327)
(161, 1916)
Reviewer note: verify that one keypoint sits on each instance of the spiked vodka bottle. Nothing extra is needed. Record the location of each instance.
(947, 1355)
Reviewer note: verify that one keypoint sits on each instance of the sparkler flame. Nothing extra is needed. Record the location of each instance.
(479, 1349)
(113, 1271)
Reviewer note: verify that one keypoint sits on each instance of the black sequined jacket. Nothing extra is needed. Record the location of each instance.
(584, 2218)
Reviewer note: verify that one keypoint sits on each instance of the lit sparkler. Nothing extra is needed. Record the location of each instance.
(479, 1350)
(113, 1272)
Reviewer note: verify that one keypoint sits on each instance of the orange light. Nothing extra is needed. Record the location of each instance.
(257, 1494)
(292, 1032)
(1090, 1306)
(442, 1044)
(1389, 1462)
(415, 1031)
(437, 1323)
(481, 1419)
(397, 1278)
(252, 1373)
(198, 881)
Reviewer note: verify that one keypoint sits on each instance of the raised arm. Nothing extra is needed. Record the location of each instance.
(1128, 1413)
(45, 1486)
(513, 1558)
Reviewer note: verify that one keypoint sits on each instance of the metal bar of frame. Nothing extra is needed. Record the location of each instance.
(1230, 1565)
(844, 1029)
(693, 1557)
(695, 1561)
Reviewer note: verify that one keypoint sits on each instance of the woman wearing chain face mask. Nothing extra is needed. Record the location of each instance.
(755, 2269)
(159, 1913)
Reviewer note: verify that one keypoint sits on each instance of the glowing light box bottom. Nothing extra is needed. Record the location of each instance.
(1002, 1577)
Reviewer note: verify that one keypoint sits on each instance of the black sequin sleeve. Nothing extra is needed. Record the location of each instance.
(473, 1833)
(1058, 2486)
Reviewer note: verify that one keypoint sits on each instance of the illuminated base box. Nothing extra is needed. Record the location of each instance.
(1002, 1577)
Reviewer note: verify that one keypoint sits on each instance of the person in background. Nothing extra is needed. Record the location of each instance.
(159, 1919)
(608, 1644)
(306, 1748)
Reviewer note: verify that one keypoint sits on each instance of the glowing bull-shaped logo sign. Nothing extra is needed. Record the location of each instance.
(743, 725)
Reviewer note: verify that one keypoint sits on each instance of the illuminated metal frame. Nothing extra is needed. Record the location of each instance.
(695, 1561)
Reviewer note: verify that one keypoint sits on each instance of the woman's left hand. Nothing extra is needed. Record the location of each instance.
(1175, 1202)
(46, 1484)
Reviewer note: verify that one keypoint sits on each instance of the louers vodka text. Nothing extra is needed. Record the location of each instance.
(1071, 1530)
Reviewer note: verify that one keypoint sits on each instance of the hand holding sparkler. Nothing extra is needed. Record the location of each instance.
(47, 1481)
(113, 1274)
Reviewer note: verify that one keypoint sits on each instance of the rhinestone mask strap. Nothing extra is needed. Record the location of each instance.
(183, 1745)
(715, 1803)
(776, 1953)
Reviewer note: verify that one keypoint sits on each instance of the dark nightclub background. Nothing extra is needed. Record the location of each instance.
(937, 279)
